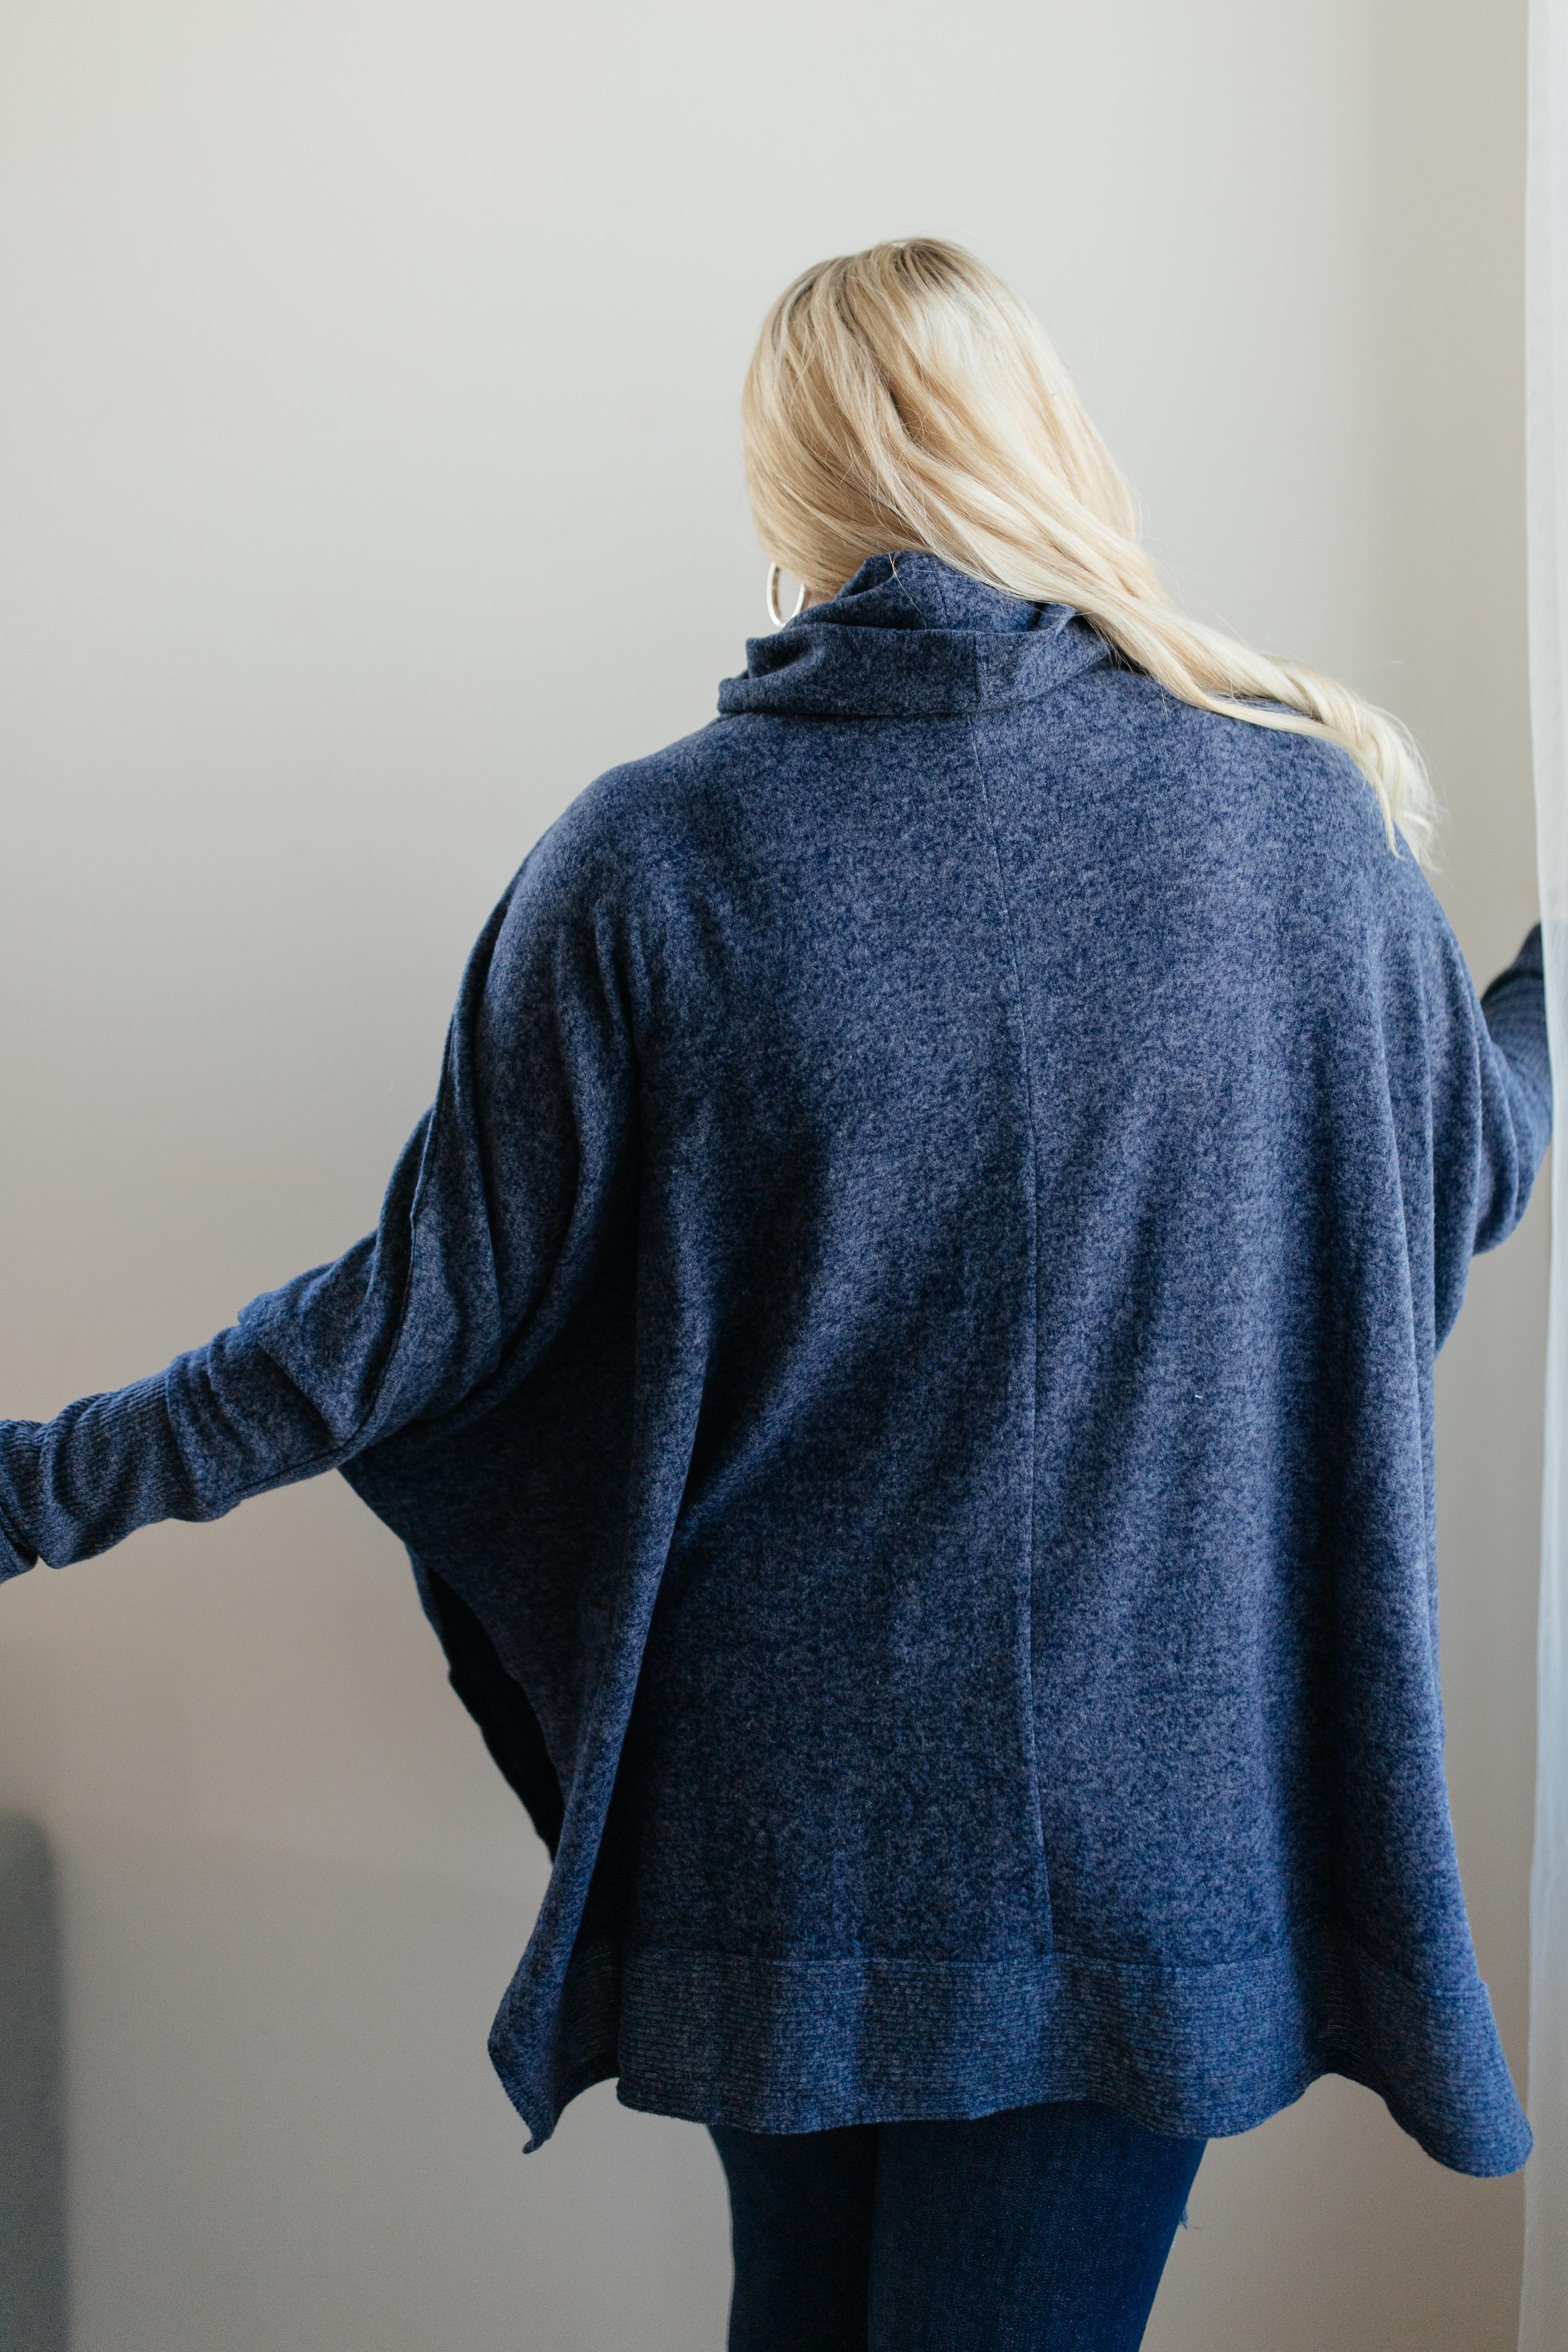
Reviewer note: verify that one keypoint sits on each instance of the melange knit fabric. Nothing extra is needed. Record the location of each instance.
(902, 1355)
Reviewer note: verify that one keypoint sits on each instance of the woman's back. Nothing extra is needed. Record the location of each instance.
(1061, 1129)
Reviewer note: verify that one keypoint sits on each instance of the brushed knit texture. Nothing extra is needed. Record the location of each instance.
(902, 1355)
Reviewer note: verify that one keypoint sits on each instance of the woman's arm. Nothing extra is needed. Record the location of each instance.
(1517, 1096)
(224, 1421)
(493, 1212)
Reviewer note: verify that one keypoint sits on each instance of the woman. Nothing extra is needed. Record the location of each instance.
(902, 1357)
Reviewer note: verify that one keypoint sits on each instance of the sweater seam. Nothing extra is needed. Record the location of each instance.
(1018, 979)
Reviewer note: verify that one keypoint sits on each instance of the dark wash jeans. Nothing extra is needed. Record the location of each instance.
(1038, 2230)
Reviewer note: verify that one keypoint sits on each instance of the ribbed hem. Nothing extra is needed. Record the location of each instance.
(805, 2043)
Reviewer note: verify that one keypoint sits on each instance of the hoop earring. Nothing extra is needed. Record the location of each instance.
(774, 615)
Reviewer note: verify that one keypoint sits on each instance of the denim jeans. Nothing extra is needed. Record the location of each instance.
(1038, 2230)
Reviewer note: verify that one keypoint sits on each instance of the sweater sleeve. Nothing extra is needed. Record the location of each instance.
(1516, 1095)
(492, 1218)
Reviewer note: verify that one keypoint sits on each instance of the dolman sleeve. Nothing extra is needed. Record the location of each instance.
(491, 1220)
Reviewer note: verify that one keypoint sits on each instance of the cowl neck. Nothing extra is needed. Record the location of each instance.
(910, 637)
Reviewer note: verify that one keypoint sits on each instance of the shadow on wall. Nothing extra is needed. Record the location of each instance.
(33, 2316)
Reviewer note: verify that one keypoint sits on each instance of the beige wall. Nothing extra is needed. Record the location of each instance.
(368, 481)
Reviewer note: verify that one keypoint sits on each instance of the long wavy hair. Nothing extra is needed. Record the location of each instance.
(904, 397)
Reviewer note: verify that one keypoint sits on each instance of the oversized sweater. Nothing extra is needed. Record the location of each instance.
(902, 1355)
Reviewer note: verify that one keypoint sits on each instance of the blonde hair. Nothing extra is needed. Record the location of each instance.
(905, 398)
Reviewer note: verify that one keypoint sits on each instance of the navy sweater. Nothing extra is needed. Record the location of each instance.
(902, 1355)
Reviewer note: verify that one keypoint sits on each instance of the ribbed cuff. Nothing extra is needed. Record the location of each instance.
(16, 1555)
(1513, 1007)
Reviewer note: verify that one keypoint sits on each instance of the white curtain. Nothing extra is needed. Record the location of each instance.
(1543, 2321)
